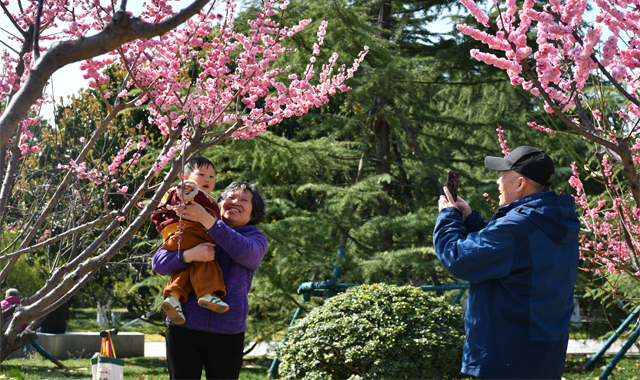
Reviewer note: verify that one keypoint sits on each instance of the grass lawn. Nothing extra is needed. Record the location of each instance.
(37, 368)
(84, 320)
(627, 368)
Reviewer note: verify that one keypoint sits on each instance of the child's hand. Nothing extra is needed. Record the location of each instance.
(189, 191)
(187, 188)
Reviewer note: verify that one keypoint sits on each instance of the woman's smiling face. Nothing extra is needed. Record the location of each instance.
(236, 208)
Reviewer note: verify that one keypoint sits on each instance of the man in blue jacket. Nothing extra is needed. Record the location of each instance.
(522, 266)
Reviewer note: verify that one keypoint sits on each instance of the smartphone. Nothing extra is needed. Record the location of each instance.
(452, 184)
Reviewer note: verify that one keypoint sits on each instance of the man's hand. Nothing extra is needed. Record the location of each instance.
(447, 201)
(202, 252)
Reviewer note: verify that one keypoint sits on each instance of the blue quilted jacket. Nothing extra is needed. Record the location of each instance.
(522, 267)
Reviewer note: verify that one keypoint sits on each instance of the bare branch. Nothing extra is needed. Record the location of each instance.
(7, 185)
(13, 21)
(36, 32)
(62, 187)
(8, 311)
(61, 236)
(9, 47)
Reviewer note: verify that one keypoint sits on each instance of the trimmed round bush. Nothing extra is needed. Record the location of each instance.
(376, 331)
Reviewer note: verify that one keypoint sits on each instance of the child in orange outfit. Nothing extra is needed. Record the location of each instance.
(203, 278)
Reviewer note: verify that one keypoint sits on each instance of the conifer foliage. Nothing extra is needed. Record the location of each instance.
(364, 170)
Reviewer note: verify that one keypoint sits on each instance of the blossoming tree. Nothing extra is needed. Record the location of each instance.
(200, 81)
(587, 74)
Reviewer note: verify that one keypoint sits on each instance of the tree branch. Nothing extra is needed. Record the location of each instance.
(120, 30)
(61, 281)
(61, 188)
(623, 225)
(558, 112)
(36, 32)
(61, 236)
(13, 21)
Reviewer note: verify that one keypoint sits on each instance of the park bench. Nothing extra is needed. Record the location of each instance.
(85, 344)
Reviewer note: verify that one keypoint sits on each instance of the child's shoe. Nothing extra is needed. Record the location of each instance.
(213, 302)
(173, 309)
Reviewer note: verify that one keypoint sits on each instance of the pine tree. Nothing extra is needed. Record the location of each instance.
(366, 169)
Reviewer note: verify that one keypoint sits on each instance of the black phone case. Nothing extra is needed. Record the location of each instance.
(452, 184)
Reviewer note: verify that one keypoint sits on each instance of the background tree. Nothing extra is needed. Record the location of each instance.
(197, 92)
(586, 72)
(364, 170)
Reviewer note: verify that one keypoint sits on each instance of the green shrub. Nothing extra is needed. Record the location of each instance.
(376, 331)
(27, 276)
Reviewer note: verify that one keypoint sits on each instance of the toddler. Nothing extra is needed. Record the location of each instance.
(203, 278)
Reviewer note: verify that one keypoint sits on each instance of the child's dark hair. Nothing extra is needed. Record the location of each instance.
(197, 162)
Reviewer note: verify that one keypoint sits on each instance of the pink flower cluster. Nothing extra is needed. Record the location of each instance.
(93, 68)
(604, 224)
(564, 57)
(569, 53)
(44, 236)
(542, 128)
(200, 79)
(503, 142)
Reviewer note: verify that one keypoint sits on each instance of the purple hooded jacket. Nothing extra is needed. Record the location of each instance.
(239, 253)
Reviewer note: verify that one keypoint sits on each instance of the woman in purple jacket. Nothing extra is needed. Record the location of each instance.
(212, 340)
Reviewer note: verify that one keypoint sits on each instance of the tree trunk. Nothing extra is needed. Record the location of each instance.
(381, 131)
(383, 166)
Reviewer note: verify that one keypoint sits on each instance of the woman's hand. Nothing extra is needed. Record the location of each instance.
(196, 213)
(202, 252)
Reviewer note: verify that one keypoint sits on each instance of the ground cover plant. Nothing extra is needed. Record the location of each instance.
(36, 368)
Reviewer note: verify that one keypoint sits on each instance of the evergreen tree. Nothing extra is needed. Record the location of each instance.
(366, 169)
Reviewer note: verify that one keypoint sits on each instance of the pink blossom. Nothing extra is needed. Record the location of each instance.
(541, 128)
(476, 12)
(503, 142)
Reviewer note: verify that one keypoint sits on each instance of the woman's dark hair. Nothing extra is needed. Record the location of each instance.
(258, 201)
(197, 162)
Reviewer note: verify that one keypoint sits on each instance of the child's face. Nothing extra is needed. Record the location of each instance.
(205, 177)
